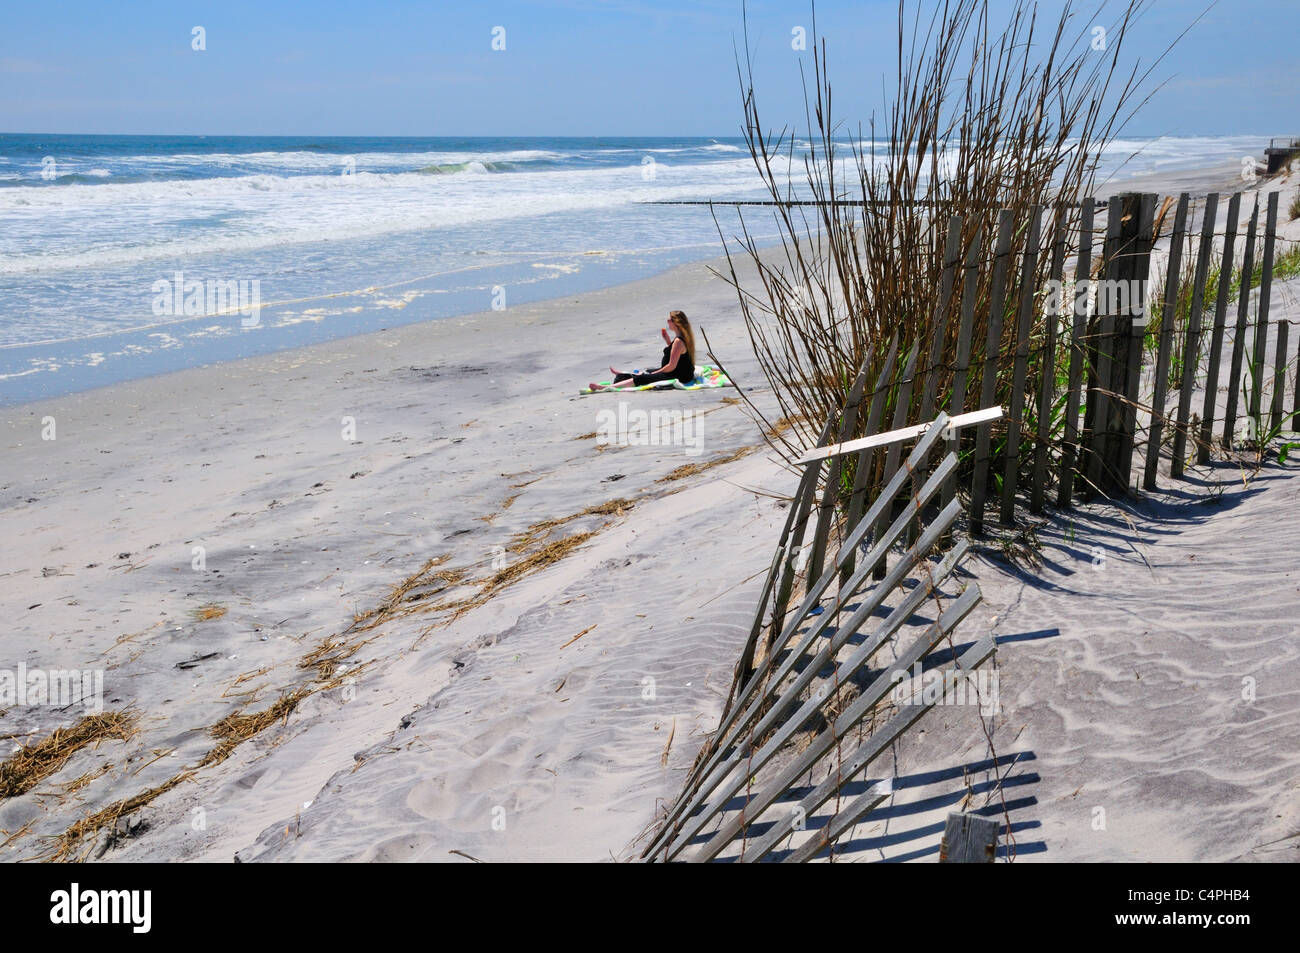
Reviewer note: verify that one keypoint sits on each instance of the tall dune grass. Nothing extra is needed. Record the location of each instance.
(982, 117)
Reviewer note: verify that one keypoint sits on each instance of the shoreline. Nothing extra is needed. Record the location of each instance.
(106, 359)
(110, 358)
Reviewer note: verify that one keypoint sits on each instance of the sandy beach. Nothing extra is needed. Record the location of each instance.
(468, 432)
(343, 540)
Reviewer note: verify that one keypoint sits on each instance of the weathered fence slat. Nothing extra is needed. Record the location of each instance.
(1164, 349)
(1279, 376)
(992, 355)
(848, 424)
(1295, 395)
(801, 509)
(1102, 350)
(891, 437)
(1047, 371)
(730, 754)
(961, 372)
(866, 458)
(1254, 412)
(851, 767)
(939, 336)
(863, 804)
(1024, 326)
(1220, 322)
(1070, 452)
(1265, 293)
(1192, 340)
(1239, 333)
(1261, 320)
(1134, 268)
(870, 697)
(736, 717)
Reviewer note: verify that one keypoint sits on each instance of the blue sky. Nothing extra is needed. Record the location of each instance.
(570, 67)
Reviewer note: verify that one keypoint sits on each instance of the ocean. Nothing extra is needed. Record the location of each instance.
(126, 256)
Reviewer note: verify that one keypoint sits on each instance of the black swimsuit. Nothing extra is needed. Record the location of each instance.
(684, 371)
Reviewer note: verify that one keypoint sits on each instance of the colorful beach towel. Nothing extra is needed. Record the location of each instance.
(706, 376)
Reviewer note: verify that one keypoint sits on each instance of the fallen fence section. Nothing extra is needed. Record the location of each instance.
(838, 679)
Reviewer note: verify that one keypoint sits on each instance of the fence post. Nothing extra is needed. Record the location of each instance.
(1165, 346)
(1192, 341)
(1118, 354)
(1216, 341)
(1134, 268)
(1101, 348)
(1070, 454)
(1265, 293)
(969, 839)
(1239, 332)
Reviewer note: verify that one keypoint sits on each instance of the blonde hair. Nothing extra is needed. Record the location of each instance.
(684, 325)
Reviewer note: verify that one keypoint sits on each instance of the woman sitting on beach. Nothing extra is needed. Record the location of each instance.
(678, 360)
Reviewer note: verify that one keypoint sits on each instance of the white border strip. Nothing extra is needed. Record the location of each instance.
(897, 436)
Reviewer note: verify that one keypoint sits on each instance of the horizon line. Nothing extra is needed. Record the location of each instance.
(609, 135)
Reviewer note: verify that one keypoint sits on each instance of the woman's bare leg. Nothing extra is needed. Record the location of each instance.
(618, 386)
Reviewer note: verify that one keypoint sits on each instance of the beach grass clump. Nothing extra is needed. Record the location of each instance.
(1286, 265)
(206, 613)
(979, 119)
(33, 763)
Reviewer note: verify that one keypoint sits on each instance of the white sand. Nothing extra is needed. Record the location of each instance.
(302, 529)
(495, 738)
